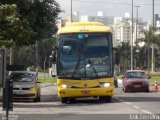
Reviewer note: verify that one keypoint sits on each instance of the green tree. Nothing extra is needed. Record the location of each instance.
(39, 16)
(13, 30)
(148, 37)
(124, 54)
(26, 55)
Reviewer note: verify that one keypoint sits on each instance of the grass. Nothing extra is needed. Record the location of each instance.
(54, 80)
(47, 79)
(154, 78)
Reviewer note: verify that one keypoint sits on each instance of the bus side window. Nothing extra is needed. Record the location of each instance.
(69, 48)
(66, 49)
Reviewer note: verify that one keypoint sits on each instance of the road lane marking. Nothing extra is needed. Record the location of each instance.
(147, 112)
(136, 107)
(36, 104)
(128, 103)
(144, 111)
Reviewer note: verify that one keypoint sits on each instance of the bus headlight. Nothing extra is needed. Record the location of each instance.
(66, 86)
(105, 84)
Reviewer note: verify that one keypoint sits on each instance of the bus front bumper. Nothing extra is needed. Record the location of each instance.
(85, 92)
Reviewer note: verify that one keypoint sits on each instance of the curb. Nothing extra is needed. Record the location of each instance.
(47, 85)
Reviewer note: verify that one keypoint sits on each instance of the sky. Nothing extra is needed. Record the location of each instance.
(115, 8)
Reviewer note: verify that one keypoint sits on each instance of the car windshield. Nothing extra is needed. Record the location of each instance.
(136, 75)
(22, 77)
(85, 55)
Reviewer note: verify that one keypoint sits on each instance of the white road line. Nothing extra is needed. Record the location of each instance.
(136, 107)
(147, 112)
(128, 103)
(144, 111)
(36, 104)
(119, 99)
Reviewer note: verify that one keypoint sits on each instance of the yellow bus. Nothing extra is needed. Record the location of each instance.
(84, 61)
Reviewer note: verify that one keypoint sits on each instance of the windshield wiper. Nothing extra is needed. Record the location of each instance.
(77, 64)
(96, 73)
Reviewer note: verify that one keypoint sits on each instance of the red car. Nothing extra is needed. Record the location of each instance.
(135, 80)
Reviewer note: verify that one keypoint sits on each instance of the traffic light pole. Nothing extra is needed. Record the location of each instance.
(6, 83)
(8, 97)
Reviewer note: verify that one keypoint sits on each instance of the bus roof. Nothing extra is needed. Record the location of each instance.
(77, 27)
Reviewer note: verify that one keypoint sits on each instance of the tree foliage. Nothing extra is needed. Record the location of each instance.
(124, 54)
(22, 22)
(13, 30)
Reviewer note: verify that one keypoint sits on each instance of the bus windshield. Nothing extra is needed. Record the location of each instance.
(84, 55)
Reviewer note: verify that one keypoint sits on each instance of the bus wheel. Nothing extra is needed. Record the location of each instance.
(64, 100)
(102, 98)
(71, 100)
(108, 99)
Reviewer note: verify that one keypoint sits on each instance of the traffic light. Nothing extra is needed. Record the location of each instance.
(2, 66)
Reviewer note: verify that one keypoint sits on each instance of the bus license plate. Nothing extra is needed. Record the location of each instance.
(85, 92)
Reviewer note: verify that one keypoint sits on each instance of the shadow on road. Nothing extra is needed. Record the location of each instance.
(54, 101)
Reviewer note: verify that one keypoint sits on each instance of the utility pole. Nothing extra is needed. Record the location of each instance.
(132, 40)
(152, 68)
(37, 63)
(71, 12)
(11, 55)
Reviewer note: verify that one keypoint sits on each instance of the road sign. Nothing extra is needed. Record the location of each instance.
(2, 66)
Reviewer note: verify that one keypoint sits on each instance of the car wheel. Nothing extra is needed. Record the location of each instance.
(116, 86)
(125, 90)
(38, 98)
(64, 100)
(35, 100)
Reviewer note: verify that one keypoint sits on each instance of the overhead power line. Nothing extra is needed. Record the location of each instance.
(118, 3)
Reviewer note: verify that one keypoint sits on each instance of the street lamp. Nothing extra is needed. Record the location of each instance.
(152, 43)
(71, 12)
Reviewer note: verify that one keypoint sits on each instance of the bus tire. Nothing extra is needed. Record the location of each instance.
(108, 99)
(64, 100)
(102, 98)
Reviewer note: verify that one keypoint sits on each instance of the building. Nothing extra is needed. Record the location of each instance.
(121, 26)
(157, 22)
(123, 30)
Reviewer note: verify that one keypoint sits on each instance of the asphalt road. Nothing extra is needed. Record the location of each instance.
(125, 106)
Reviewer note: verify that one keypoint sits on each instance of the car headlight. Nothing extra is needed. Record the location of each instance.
(32, 88)
(66, 86)
(128, 83)
(105, 84)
